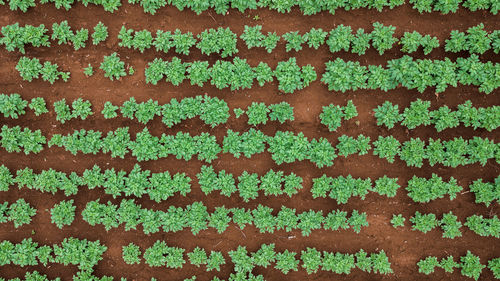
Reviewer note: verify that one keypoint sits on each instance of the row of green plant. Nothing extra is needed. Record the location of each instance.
(410, 73)
(138, 182)
(343, 188)
(223, 41)
(306, 7)
(418, 114)
(212, 111)
(72, 251)
(249, 184)
(161, 186)
(19, 212)
(244, 262)
(450, 224)
(30, 69)
(470, 265)
(284, 146)
(235, 75)
(18, 37)
(339, 75)
(197, 217)
(452, 153)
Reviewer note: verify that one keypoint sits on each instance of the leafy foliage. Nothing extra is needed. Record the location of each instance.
(63, 213)
(113, 67)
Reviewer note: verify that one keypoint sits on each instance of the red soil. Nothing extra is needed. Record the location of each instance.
(403, 246)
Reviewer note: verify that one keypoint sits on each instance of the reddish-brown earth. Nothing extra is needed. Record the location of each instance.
(403, 246)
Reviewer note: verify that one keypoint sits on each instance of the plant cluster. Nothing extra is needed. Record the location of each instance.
(418, 114)
(249, 184)
(419, 74)
(64, 35)
(196, 217)
(30, 69)
(220, 41)
(342, 188)
(211, 110)
(451, 226)
(470, 265)
(82, 253)
(341, 38)
(260, 113)
(19, 212)
(235, 75)
(422, 190)
(80, 108)
(14, 140)
(452, 153)
(475, 40)
(253, 37)
(17, 37)
(332, 115)
(411, 41)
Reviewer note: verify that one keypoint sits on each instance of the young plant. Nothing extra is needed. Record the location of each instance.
(100, 33)
(63, 213)
(113, 67)
(398, 220)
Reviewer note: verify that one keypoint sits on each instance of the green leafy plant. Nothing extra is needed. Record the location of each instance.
(100, 33)
(88, 71)
(398, 220)
(131, 254)
(63, 213)
(113, 67)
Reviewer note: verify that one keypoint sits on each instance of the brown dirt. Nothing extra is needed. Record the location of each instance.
(403, 246)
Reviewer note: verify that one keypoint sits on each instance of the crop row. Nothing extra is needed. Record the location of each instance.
(450, 225)
(161, 186)
(418, 114)
(83, 253)
(312, 260)
(306, 7)
(223, 41)
(196, 217)
(340, 75)
(470, 265)
(212, 111)
(17, 37)
(284, 146)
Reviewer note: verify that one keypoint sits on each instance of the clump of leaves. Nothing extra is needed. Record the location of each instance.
(113, 67)
(63, 213)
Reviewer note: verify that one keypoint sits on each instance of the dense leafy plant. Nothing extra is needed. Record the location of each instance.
(332, 115)
(424, 222)
(131, 254)
(12, 105)
(424, 190)
(63, 213)
(38, 106)
(113, 67)
(14, 140)
(294, 41)
(100, 33)
(19, 212)
(30, 69)
(220, 40)
(398, 220)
